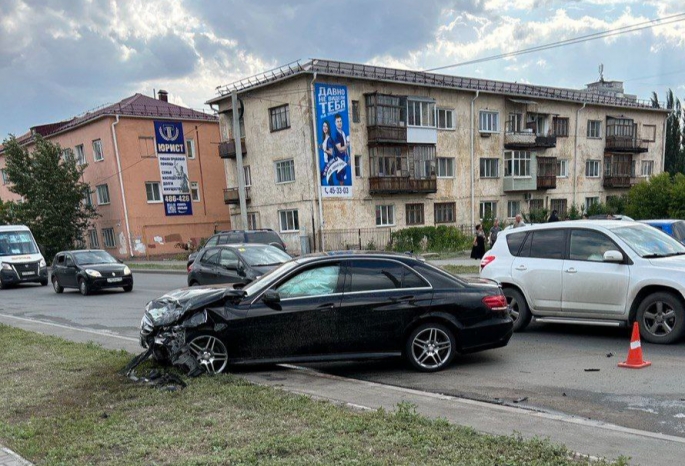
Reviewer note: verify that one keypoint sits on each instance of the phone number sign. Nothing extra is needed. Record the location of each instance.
(337, 190)
(178, 204)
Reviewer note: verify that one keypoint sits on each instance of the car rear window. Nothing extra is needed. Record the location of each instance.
(263, 237)
(514, 242)
(545, 244)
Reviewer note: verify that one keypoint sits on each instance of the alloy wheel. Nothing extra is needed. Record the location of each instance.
(210, 353)
(659, 319)
(431, 348)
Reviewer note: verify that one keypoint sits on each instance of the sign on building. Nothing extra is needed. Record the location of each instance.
(333, 140)
(173, 168)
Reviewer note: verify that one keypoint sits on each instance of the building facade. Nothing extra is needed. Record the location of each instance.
(117, 142)
(428, 149)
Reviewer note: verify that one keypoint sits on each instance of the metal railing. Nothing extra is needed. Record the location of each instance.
(402, 184)
(370, 239)
(227, 149)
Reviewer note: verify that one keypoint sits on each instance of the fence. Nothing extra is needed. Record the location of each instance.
(379, 239)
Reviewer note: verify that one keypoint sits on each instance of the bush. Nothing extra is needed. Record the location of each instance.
(438, 239)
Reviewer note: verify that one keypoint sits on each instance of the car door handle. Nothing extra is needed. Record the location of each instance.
(570, 270)
(521, 267)
(403, 299)
(326, 307)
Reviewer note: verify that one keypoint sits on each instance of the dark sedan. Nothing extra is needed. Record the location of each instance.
(89, 270)
(329, 306)
(234, 263)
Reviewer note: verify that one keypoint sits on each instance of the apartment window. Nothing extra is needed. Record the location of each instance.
(87, 198)
(97, 150)
(67, 154)
(102, 192)
(590, 201)
(560, 205)
(594, 129)
(252, 221)
(649, 133)
(513, 208)
(488, 209)
(190, 148)
(562, 168)
(80, 155)
(385, 215)
(620, 127)
(445, 212)
(445, 167)
(535, 204)
(356, 117)
(488, 122)
(5, 178)
(146, 147)
(647, 167)
(446, 118)
(421, 113)
(285, 171)
(489, 168)
(108, 236)
(289, 220)
(560, 127)
(592, 168)
(94, 240)
(152, 191)
(514, 125)
(248, 175)
(195, 191)
(358, 166)
(279, 117)
(517, 163)
(414, 214)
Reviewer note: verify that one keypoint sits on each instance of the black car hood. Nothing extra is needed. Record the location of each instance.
(104, 268)
(173, 306)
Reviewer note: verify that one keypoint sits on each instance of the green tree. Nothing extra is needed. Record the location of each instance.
(674, 157)
(52, 191)
(650, 199)
(6, 213)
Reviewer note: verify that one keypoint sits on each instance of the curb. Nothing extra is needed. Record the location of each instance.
(9, 458)
(164, 271)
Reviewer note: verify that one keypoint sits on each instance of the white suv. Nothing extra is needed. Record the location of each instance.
(592, 272)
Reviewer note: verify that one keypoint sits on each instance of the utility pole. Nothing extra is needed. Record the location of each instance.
(239, 158)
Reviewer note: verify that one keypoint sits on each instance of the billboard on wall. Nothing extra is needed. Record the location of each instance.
(173, 168)
(333, 140)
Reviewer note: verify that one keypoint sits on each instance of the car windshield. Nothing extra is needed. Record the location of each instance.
(257, 256)
(268, 278)
(94, 257)
(649, 242)
(17, 242)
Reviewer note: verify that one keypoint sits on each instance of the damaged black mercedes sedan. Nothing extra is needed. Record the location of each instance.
(326, 307)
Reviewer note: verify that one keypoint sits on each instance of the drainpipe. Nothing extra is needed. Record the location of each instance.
(575, 154)
(315, 153)
(121, 185)
(473, 179)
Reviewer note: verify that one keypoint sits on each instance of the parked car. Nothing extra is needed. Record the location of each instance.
(262, 236)
(674, 228)
(330, 306)
(234, 263)
(89, 270)
(589, 272)
(20, 257)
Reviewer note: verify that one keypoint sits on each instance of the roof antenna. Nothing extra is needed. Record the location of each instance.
(601, 72)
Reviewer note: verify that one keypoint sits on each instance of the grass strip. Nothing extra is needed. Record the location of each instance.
(462, 269)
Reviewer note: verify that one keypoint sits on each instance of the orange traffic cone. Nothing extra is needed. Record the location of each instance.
(635, 360)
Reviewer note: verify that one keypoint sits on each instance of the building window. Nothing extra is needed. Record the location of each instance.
(560, 127)
(559, 205)
(80, 155)
(108, 236)
(146, 146)
(87, 198)
(421, 113)
(385, 110)
(195, 191)
(513, 124)
(513, 208)
(252, 221)
(190, 148)
(285, 171)
(97, 150)
(620, 127)
(152, 191)
(445, 212)
(248, 175)
(562, 168)
(358, 166)
(279, 117)
(647, 167)
(414, 214)
(289, 220)
(594, 129)
(67, 154)
(446, 118)
(102, 192)
(356, 117)
(489, 168)
(488, 122)
(517, 163)
(590, 201)
(649, 133)
(94, 240)
(592, 168)
(445, 167)
(535, 204)
(5, 178)
(385, 215)
(488, 209)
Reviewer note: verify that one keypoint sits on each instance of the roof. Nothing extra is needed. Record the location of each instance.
(421, 78)
(14, 228)
(668, 221)
(357, 254)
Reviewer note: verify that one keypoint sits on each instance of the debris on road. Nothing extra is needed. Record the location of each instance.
(609, 355)
(592, 370)
(521, 400)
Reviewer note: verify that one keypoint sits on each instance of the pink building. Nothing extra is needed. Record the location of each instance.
(118, 144)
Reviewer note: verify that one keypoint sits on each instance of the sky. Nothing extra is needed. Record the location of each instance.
(61, 58)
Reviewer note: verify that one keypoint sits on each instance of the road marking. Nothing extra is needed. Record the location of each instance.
(94, 332)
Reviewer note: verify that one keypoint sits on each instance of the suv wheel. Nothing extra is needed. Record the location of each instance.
(518, 309)
(661, 318)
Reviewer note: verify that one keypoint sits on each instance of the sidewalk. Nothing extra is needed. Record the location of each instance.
(9, 458)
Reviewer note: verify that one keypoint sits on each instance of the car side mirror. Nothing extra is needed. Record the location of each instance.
(241, 269)
(271, 297)
(613, 256)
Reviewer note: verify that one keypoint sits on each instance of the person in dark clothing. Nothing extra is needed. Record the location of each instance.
(554, 217)
(478, 249)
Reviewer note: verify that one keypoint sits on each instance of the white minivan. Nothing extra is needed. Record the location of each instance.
(20, 258)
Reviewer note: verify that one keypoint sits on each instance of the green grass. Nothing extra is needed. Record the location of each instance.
(64, 403)
(462, 269)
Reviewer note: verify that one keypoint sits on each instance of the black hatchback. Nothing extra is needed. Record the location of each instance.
(89, 270)
(329, 306)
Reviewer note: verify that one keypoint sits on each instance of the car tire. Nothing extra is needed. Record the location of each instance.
(56, 286)
(193, 283)
(518, 309)
(209, 350)
(44, 282)
(661, 318)
(4, 286)
(128, 288)
(83, 287)
(430, 347)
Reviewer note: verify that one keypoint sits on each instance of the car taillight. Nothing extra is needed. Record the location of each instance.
(485, 261)
(190, 267)
(496, 302)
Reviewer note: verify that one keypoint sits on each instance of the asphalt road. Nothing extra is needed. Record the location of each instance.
(544, 368)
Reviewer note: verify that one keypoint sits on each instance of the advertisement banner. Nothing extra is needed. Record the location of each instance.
(173, 168)
(333, 140)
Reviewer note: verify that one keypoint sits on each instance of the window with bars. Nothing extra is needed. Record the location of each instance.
(94, 240)
(385, 215)
(592, 168)
(517, 163)
(108, 237)
(289, 220)
(488, 209)
(560, 205)
(152, 192)
(102, 192)
(285, 171)
(594, 129)
(414, 214)
(489, 168)
(488, 122)
(445, 167)
(560, 127)
(279, 117)
(446, 118)
(444, 212)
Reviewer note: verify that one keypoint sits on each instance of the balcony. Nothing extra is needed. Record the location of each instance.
(624, 144)
(402, 185)
(528, 140)
(231, 196)
(617, 181)
(227, 149)
(547, 173)
(387, 134)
